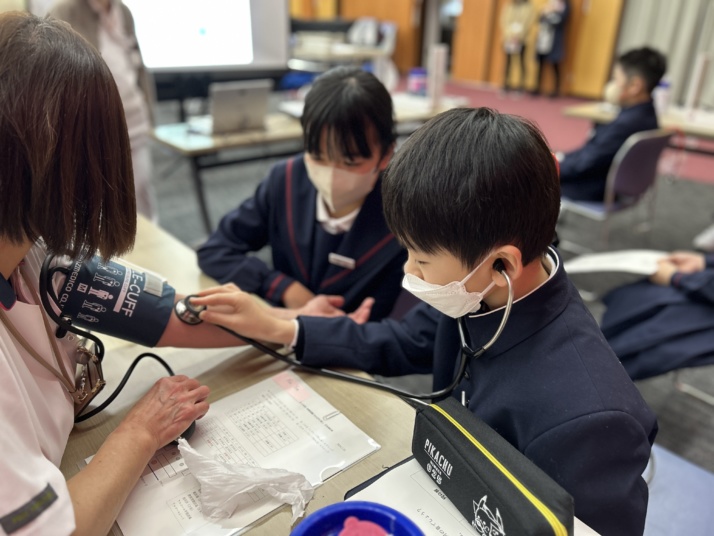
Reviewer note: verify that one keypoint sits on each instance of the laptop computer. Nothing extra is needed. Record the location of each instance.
(235, 107)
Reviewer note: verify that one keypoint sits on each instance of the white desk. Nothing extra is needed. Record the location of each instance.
(699, 123)
(385, 418)
(332, 53)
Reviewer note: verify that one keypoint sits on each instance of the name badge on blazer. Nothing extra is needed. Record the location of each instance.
(341, 260)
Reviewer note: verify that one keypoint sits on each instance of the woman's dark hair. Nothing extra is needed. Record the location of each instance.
(65, 161)
(346, 100)
(647, 63)
(471, 180)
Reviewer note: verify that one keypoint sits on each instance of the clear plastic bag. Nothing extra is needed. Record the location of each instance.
(225, 487)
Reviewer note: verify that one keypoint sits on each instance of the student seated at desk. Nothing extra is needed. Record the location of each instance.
(667, 322)
(471, 193)
(321, 212)
(583, 172)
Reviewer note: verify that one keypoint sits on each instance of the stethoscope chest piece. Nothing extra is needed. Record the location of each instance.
(187, 313)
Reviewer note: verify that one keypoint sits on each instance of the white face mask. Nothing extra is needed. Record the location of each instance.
(612, 93)
(337, 187)
(451, 299)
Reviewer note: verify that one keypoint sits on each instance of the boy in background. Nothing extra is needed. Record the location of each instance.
(474, 194)
(583, 172)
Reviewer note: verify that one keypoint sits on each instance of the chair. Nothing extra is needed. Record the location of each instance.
(632, 175)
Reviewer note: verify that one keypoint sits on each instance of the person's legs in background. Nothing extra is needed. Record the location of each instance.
(540, 59)
(522, 58)
(556, 76)
(506, 87)
(143, 168)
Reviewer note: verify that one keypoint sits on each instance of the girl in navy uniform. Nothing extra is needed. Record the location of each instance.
(473, 194)
(320, 212)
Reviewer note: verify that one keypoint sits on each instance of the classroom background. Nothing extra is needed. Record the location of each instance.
(597, 32)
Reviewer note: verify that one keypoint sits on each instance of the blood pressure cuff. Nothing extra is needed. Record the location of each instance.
(492, 484)
(115, 298)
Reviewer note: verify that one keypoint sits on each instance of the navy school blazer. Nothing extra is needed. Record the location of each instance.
(583, 172)
(654, 329)
(282, 214)
(551, 386)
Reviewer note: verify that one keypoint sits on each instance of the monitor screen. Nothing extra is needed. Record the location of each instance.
(210, 35)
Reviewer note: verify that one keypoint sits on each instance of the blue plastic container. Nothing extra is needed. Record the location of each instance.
(416, 81)
(357, 518)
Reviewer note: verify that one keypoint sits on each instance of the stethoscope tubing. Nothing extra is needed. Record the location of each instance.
(467, 354)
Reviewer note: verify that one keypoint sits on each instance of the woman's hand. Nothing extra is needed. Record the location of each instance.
(167, 410)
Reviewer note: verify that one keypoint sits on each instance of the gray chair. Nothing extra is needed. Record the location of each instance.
(632, 176)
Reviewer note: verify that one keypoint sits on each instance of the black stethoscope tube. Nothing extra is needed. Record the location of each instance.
(185, 311)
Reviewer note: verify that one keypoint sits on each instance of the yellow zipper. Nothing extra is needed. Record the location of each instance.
(557, 526)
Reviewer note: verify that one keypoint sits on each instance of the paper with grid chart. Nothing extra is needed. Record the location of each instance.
(277, 423)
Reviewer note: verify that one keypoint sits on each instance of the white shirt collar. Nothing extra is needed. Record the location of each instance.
(332, 225)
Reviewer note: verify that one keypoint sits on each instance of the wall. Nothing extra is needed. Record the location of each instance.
(591, 35)
(681, 30)
(406, 14)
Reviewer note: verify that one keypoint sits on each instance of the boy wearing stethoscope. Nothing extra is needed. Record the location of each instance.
(474, 197)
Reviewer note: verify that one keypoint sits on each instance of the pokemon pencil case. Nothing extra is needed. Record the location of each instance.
(495, 487)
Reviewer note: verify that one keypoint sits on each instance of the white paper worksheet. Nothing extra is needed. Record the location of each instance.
(633, 261)
(277, 423)
(410, 490)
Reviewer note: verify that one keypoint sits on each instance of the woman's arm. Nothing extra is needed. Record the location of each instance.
(99, 491)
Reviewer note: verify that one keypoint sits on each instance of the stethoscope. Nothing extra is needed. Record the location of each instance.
(190, 315)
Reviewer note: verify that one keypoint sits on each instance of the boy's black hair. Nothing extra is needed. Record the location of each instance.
(346, 100)
(647, 63)
(471, 180)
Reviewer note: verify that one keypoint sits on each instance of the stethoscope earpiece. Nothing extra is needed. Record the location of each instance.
(499, 266)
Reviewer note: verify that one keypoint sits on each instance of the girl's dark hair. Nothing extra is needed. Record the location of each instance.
(345, 101)
(65, 161)
(471, 180)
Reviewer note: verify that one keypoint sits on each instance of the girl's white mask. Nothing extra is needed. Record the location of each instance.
(337, 187)
(451, 299)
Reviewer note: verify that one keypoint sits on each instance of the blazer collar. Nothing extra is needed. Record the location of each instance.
(529, 315)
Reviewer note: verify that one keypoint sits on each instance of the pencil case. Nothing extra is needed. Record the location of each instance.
(494, 486)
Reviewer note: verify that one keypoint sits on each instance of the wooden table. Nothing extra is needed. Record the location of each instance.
(202, 150)
(385, 418)
(337, 53)
(699, 123)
